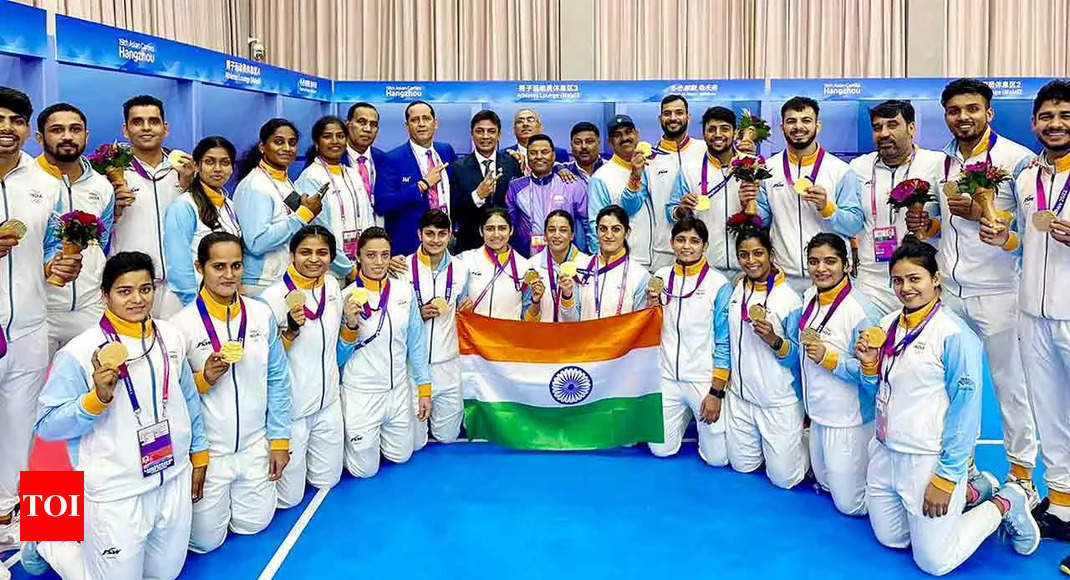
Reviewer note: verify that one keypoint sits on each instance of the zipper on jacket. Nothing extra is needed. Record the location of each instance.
(434, 291)
(159, 233)
(390, 343)
(679, 314)
(234, 382)
(74, 283)
(10, 270)
(323, 356)
(152, 375)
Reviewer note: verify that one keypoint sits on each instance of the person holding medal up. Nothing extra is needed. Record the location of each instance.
(558, 263)
(494, 274)
(820, 339)
(122, 397)
(765, 416)
(694, 353)
(377, 350)
(926, 369)
(241, 370)
(612, 282)
(439, 284)
(308, 305)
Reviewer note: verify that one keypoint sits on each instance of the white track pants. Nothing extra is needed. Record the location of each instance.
(22, 374)
(839, 457)
(378, 422)
(895, 494)
(316, 448)
(447, 406)
(680, 401)
(773, 435)
(63, 326)
(995, 319)
(1046, 352)
(237, 495)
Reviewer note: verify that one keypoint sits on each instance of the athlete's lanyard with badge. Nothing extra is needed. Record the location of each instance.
(596, 272)
(885, 238)
(366, 311)
(154, 441)
(416, 282)
(350, 235)
(499, 268)
(890, 353)
(1044, 217)
(810, 335)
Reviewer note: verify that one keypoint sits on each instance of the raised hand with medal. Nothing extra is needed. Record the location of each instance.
(11, 233)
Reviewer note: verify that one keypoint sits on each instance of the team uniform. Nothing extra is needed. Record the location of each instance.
(267, 225)
(707, 177)
(694, 351)
(794, 221)
(183, 231)
(981, 285)
(317, 433)
(136, 452)
(841, 414)
(351, 206)
(765, 414)
(884, 227)
(610, 185)
(23, 324)
(549, 270)
(496, 283)
(1044, 323)
(246, 412)
(142, 226)
(375, 361)
(928, 414)
(78, 305)
(663, 171)
(448, 281)
(605, 289)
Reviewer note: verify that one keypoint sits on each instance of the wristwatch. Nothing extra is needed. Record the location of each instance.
(719, 393)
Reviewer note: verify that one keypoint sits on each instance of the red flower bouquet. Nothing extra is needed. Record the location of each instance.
(980, 181)
(741, 222)
(77, 230)
(111, 160)
(750, 169)
(910, 192)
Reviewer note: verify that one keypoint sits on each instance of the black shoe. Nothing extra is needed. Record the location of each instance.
(1054, 528)
(1065, 566)
(1041, 509)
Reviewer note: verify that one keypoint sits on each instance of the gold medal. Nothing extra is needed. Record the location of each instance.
(112, 355)
(810, 337)
(951, 189)
(875, 336)
(359, 296)
(440, 303)
(645, 148)
(1042, 220)
(295, 299)
(756, 312)
(656, 284)
(175, 158)
(232, 351)
(702, 204)
(568, 269)
(14, 226)
(531, 277)
(802, 185)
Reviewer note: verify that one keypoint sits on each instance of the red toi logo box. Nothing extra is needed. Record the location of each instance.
(51, 506)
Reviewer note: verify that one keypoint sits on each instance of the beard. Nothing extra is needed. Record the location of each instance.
(1057, 149)
(803, 145)
(673, 134)
(64, 156)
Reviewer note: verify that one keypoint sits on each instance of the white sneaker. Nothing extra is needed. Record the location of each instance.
(1030, 490)
(9, 535)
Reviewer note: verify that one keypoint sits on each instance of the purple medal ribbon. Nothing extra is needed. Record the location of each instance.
(768, 290)
(384, 295)
(109, 331)
(672, 279)
(210, 328)
(288, 280)
(416, 281)
(592, 268)
(550, 270)
(892, 350)
(702, 183)
(1042, 198)
(813, 172)
(140, 169)
(498, 269)
(832, 309)
(3, 342)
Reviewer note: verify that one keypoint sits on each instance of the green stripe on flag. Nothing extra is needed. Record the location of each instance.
(599, 425)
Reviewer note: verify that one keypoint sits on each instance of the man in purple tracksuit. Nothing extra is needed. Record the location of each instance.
(530, 198)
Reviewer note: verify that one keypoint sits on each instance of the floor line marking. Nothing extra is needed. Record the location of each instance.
(10, 562)
(276, 561)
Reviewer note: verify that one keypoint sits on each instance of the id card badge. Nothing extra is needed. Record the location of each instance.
(885, 241)
(154, 442)
(349, 243)
(538, 242)
(884, 394)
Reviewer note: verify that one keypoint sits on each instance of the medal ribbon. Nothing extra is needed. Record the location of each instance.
(768, 290)
(988, 155)
(702, 182)
(416, 280)
(891, 350)
(552, 275)
(813, 172)
(210, 328)
(498, 269)
(322, 300)
(109, 331)
(840, 297)
(593, 268)
(672, 278)
(1042, 198)
(383, 296)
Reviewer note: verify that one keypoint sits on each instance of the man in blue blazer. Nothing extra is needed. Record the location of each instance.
(362, 127)
(414, 178)
(526, 122)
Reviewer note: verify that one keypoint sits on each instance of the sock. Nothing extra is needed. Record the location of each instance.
(971, 493)
(1021, 472)
(1002, 503)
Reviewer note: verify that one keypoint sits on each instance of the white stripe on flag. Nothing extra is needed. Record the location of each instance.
(632, 375)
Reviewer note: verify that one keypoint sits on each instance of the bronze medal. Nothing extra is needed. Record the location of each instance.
(1042, 220)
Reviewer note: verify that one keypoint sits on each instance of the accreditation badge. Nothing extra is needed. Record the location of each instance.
(538, 242)
(884, 394)
(885, 241)
(154, 442)
(349, 243)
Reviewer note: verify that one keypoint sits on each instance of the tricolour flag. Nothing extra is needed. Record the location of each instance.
(578, 385)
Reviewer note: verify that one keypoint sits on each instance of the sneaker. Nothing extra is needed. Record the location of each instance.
(1053, 527)
(32, 562)
(1018, 523)
(986, 485)
(1030, 489)
(9, 535)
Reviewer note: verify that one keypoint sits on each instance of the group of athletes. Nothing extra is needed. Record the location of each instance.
(216, 352)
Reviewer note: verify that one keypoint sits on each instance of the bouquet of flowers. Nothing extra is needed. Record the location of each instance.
(77, 230)
(750, 169)
(980, 181)
(110, 160)
(741, 222)
(752, 129)
(910, 193)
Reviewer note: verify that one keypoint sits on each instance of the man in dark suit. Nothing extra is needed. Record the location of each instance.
(413, 178)
(479, 180)
(362, 127)
(526, 122)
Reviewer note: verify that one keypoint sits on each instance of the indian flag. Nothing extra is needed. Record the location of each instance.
(579, 385)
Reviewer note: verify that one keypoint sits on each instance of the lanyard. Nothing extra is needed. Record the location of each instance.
(276, 186)
(124, 373)
(349, 189)
(988, 155)
(140, 170)
(230, 215)
(803, 322)
(1042, 198)
(891, 350)
(746, 297)
(672, 280)
(210, 328)
(416, 279)
(383, 296)
(498, 269)
(288, 280)
(702, 183)
(813, 172)
(593, 268)
(552, 275)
